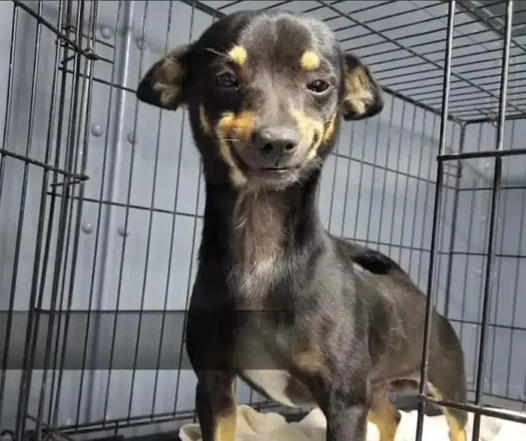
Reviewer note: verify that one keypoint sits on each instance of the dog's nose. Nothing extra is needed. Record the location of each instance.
(276, 140)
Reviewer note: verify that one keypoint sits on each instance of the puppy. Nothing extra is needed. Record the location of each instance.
(304, 317)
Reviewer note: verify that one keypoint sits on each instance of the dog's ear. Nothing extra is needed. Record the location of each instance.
(363, 95)
(163, 84)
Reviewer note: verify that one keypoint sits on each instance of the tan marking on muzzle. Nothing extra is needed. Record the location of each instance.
(237, 128)
(310, 60)
(311, 131)
(243, 125)
(329, 130)
(358, 94)
(203, 119)
(238, 54)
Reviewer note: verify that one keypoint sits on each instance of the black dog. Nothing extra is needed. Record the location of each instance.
(302, 316)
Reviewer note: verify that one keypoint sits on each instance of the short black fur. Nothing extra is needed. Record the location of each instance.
(305, 317)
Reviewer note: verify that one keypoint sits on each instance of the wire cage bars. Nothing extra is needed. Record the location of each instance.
(101, 200)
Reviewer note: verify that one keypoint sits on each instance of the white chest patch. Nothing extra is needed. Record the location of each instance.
(278, 385)
(273, 381)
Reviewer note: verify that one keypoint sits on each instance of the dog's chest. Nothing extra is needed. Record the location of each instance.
(281, 386)
(264, 348)
(257, 245)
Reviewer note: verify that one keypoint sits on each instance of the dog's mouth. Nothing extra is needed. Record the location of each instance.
(265, 172)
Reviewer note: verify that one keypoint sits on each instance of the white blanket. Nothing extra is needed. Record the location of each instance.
(257, 426)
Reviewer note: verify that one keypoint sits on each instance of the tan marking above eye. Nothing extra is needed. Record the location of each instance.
(238, 54)
(310, 60)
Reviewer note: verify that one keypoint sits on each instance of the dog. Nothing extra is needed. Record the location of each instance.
(306, 318)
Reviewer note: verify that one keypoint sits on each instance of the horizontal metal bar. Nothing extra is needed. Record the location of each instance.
(388, 244)
(101, 81)
(387, 17)
(486, 111)
(114, 424)
(382, 167)
(461, 87)
(481, 154)
(504, 187)
(49, 430)
(142, 420)
(476, 97)
(377, 4)
(480, 410)
(492, 325)
(509, 117)
(488, 105)
(465, 72)
(227, 5)
(417, 103)
(27, 160)
(133, 206)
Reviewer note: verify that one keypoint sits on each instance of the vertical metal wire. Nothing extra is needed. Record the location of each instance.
(64, 213)
(495, 199)
(373, 178)
(452, 233)
(403, 227)
(97, 233)
(126, 221)
(85, 125)
(104, 233)
(192, 250)
(5, 137)
(334, 172)
(172, 237)
(74, 138)
(45, 177)
(21, 417)
(9, 96)
(419, 176)
(386, 164)
(442, 230)
(514, 310)
(359, 195)
(347, 176)
(497, 295)
(149, 229)
(436, 220)
(468, 248)
(426, 198)
(395, 191)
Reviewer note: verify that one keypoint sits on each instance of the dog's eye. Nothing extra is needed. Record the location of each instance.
(227, 80)
(318, 86)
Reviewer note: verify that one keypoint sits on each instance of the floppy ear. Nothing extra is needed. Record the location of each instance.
(163, 85)
(363, 96)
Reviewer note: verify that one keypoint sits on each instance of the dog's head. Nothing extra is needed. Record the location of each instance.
(265, 91)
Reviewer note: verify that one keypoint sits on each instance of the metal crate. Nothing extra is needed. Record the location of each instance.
(101, 199)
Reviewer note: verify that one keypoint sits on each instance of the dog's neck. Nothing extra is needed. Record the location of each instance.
(253, 233)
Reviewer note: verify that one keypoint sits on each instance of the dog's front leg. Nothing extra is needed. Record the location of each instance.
(216, 405)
